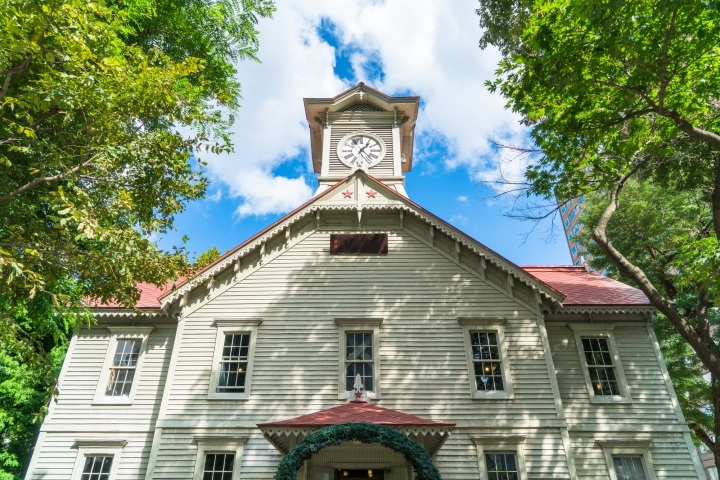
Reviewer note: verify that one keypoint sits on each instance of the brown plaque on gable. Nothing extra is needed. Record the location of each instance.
(359, 244)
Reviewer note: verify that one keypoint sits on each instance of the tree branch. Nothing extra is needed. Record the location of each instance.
(715, 385)
(25, 64)
(8, 76)
(702, 435)
(699, 134)
(663, 60)
(715, 200)
(709, 357)
(52, 178)
(33, 126)
(703, 316)
(629, 116)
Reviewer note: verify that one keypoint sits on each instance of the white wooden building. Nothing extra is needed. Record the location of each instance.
(497, 371)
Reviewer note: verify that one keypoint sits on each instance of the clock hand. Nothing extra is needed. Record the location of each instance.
(367, 157)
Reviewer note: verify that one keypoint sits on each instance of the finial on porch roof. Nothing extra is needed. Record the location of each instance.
(358, 394)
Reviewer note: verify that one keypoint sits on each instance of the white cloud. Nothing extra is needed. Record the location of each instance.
(264, 194)
(271, 127)
(426, 46)
(431, 47)
(216, 196)
(505, 171)
(462, 198)
(459, 219)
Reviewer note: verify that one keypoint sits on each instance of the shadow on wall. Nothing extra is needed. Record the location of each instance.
(296, 368)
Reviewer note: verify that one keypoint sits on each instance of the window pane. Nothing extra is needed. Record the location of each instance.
(122, 371)
(126, 354)
(97, 468)
(600, 366)
(232, 377)
(234, 362)
(218, 466)
(88, 464)
(359, 360)
(486, 361)
(236, 346)
(629, 467)
(501, 465)
(366, 375)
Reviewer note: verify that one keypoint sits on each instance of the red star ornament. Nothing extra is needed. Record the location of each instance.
(371, 193)
(347, 194)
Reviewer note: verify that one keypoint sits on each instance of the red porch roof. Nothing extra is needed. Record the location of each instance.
(356, 411)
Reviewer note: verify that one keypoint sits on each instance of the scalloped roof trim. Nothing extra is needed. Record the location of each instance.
(227, 260)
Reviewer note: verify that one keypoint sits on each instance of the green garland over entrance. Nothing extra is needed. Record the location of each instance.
(360, 432)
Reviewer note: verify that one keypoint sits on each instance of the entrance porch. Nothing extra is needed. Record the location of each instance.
(365, 441)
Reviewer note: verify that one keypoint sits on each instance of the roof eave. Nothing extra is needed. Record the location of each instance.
(149, 312)
(279, 437)
(218, 265)
(498, 260)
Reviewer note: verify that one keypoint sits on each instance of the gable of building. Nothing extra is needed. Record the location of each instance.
(356, 204)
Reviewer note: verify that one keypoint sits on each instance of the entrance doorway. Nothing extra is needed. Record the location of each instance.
(347, 474)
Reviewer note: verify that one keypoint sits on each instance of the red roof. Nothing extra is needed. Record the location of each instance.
(149, 296)
(356, 411)
(581, 287)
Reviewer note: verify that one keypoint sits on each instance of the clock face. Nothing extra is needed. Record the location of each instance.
(361, 149)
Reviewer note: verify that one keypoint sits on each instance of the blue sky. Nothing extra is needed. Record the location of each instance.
(318, 49)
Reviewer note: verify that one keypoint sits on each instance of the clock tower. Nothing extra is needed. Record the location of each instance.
(362, 128)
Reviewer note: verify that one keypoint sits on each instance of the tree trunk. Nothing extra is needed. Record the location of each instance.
(703, 349)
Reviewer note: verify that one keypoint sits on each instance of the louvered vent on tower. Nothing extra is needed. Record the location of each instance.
(362, 107)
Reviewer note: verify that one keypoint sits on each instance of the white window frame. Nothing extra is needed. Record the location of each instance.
(481, 324)
(228, 327)
(359, 325)
(606, 332)
(628, 448)
(212, 445)
(97, 448)
(500, 443)
(116, 334)
(711, 473)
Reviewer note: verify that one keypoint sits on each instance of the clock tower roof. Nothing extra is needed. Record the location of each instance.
(361, 101)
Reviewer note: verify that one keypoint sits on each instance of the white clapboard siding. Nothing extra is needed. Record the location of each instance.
(542, 450)
(58, 454)
(419, 290)
(419, 293)
(177, 456)
(83, 372)
(457, 460)
(651, 412)
(651, 399)
(669, 456)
